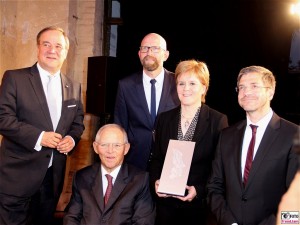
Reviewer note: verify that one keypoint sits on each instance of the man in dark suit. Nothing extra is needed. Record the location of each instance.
(132, 107)
(37, 139)
(130, 200)
(240, 193)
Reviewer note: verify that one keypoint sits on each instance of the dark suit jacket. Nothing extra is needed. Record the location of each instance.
(272, 171)
(130, 201)
(132, 113)
(24, 115)
(210, 123)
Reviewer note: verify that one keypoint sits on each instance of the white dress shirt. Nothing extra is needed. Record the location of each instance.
(262, 125)
(45, 79)
(114, 175)
(158, 87)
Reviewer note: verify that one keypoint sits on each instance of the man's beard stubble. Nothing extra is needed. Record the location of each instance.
(150, 66)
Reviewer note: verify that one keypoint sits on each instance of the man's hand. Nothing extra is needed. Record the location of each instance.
(51, 139)
(65, 145)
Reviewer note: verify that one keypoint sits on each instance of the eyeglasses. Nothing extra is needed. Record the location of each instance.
(252, 87)
(154, 49)
(115, 146)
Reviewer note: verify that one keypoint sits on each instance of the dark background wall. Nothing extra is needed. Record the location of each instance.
(227, 35)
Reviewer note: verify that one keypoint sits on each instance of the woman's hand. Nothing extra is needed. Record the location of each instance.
(161, 195)
(192, 193)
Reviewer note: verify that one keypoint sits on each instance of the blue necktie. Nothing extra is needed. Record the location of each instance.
(153, 100)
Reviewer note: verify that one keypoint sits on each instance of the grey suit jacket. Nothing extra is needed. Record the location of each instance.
(272, 171)
(24, 114)
(130, 201)
(132, 113)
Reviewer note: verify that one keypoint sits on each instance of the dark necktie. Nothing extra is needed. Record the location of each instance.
(250, 154)
(108, 189)
(153, 100)
(51, 100)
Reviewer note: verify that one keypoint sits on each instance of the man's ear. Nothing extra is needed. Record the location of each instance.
(271, 93)
(127, 147)
(166, 55)
(95, 148)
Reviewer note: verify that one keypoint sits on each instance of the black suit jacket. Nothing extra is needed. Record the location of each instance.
(132, 113)
(24, 114)
(130, 201)
(272, 171)
(210, 123)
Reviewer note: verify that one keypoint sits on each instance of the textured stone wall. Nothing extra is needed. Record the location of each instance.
(21, 21)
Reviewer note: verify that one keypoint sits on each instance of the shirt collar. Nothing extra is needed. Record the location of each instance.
(45, 73)
(263, 122)
(114, 173)
(159, 79)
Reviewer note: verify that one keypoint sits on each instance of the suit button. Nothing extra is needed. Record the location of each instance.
(244, 199)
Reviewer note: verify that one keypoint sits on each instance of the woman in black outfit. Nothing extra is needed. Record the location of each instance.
(191, 121)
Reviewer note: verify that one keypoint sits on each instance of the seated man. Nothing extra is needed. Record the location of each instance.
(130, 200)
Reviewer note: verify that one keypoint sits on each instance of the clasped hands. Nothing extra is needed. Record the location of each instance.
(55, 140)
(192, 193)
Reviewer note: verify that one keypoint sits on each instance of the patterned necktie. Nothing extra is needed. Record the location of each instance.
(250, 154)
(153, 100)
(108, 189)
(52, 102)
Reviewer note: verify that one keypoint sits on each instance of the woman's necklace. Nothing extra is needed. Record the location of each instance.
(187, 121)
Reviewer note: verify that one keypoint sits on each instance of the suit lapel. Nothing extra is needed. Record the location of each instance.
(97, 188)
(174, 118)
(165, 93)
(269, 137)
(66, 93)
(119, 186)
(39, 90)
(237, 151)
(201, 127)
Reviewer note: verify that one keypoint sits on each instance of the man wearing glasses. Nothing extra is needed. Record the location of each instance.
(142, 96)
(111, 192)
(255, 159)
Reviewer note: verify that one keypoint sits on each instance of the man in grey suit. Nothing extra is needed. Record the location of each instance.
(129, 201)
(38, 133)
(245, 194)
(132, 107)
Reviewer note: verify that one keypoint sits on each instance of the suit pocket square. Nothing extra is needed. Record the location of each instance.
(71, 106)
